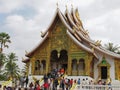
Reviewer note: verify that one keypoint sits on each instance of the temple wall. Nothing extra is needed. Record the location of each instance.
(95, 65)
(110, 61)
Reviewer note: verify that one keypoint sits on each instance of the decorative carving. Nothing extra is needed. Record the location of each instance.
(117, 69)
(98, 43)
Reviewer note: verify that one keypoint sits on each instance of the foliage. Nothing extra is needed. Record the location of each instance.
(112, 47)
(2, 60)
(2, 77)
(4, 38)
(11, 68)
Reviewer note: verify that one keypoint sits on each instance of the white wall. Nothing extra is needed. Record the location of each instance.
(109, 60)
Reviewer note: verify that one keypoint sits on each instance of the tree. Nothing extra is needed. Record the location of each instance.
(112, 47)
(11, 68)
(4, 38)
(2, 60)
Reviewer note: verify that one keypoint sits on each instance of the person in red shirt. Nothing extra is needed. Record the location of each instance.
(46, 86)
(71, 82)
(38, 87)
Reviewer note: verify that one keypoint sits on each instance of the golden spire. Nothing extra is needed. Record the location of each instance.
(57, 4)
(22, 59)
(26, 52)
(86, 31)
(72, 6)
(66, 7)
(98, 43)
(41, 33)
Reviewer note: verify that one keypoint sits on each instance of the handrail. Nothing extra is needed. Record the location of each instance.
(97, 87)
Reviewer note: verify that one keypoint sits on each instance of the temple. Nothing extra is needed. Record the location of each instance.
(66, 44)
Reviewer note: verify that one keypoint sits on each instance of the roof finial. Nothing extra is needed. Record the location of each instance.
(72, 6)
(57, 4)
(22, 59)
(66, 6)
(26, 52)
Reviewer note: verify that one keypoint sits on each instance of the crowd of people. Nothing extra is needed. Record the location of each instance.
(51, 81)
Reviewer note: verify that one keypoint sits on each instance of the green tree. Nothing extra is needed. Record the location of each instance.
(112, 47)
(4, 38)
(11, 68)
(2, 60)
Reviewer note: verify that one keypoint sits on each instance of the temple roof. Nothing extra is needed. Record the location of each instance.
(76, 32)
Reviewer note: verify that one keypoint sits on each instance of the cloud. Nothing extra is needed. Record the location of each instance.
(105, 27)
(7, 6)
(25, 34)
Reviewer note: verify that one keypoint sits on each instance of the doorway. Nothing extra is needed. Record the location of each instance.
(103, 72)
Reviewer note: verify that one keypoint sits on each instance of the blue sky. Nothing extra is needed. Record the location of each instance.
(23, 20)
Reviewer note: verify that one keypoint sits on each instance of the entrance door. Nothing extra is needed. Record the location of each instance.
(64, 66)
(103, 72)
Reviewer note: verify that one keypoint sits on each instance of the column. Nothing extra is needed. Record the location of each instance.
(87, 64)
(69, 67)
(33, 66)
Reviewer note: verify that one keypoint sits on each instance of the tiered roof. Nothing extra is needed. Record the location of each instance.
(77, 33)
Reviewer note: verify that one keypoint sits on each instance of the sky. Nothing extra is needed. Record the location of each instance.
(24, 20)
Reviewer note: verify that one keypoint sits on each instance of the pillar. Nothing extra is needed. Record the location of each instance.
(87, 64)
(33, 65)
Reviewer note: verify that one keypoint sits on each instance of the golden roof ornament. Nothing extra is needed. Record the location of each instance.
(26, 52)
(92, 49)
(66, 7)
(74, 29)
(98, 43)
(41, 33)
(22, 59)
(86, 31)
(57, 4)
(72, 6)
(78, 17)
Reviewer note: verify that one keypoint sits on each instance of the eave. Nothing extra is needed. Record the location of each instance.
(26, 60)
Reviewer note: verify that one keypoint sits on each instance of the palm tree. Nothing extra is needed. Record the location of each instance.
(2, 60)
(112, 47)
(4, 38)
(11, 68)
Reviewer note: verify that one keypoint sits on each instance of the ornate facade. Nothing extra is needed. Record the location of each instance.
(66, 44)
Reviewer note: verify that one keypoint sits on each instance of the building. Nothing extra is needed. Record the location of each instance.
(66, 44)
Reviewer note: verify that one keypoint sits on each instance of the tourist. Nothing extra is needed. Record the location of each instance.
(75, 81)
(51, 84)
(45, 78)
(4, 88)
(62, 83)
(31, 86)
(0, 87)
(37, 87)
(109, 86)
(66, 83)
(71, 82)
(22, 81)
(55, 84)
(100, 82)
(78, 82)
(26, 80)
(46, 86)
(83, 83)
